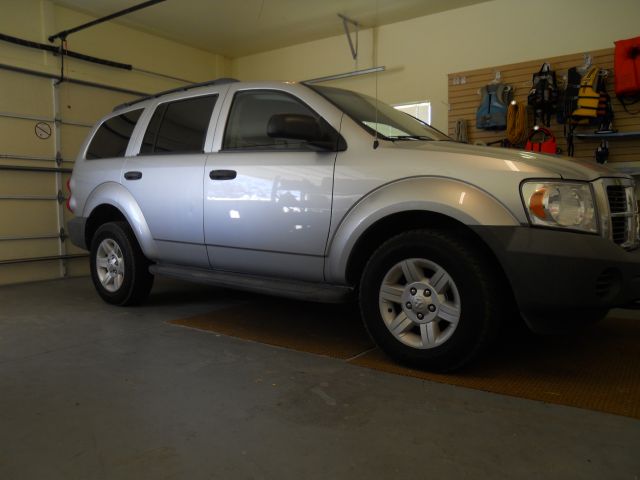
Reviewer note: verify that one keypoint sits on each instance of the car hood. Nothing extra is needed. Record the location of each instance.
(568, 168)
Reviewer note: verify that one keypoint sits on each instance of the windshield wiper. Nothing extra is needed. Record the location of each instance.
(409, 137)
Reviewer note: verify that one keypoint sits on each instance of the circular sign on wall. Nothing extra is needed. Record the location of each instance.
(43, 130)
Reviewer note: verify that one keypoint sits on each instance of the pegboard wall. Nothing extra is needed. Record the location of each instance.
(464, 99)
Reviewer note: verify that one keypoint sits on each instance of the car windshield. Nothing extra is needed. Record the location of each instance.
(391, 124)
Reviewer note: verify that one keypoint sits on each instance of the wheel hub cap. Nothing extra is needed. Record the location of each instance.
(110, 265)
(419, 302)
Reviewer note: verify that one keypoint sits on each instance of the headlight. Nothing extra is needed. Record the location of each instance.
(560, 205)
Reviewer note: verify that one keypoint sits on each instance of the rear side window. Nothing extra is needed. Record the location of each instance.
(113, 136)
(179, 127)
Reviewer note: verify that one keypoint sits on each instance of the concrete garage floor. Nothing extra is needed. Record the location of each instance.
(90, 391)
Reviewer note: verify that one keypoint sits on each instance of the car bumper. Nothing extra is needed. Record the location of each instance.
(76, 228)
(562, 278)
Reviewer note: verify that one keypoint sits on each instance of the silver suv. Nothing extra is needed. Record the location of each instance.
(323, 194)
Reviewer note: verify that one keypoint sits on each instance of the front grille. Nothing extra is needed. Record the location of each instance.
(624, 211)
(617, 198)
(619, 230)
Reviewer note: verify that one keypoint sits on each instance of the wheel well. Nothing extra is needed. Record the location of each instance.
(395, 224)
(99, 216)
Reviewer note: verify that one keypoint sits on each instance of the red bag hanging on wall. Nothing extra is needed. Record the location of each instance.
(627, 67)
(548, 143)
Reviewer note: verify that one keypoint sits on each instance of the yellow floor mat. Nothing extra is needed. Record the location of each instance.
(597, 368)
(308, 327)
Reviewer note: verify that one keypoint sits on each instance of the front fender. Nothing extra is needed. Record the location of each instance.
(461, 201)
(114, 194)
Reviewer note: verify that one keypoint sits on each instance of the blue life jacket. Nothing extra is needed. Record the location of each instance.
(492, 112)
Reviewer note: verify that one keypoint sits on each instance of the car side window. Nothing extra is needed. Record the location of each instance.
(250, 113)
(179, 126)
(112, 137)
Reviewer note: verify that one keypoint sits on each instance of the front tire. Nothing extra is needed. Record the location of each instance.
(431, 300)
(119, 269)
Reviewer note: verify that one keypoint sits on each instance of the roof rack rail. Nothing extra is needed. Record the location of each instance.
(217, 81)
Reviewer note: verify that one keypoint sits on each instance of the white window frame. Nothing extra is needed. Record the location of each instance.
(420, 110)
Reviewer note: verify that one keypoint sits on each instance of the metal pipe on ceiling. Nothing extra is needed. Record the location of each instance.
(57, 51)
(36, 73)
(346, 21)
(87, 58)
(65, 33)
(338, 76)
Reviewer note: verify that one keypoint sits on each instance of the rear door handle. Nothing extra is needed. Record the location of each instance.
(222, 174)
(133, 175)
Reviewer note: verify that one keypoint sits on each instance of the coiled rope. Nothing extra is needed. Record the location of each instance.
(517, 130)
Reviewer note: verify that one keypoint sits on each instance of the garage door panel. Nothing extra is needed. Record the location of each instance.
(77, 267)
(71, 139)
(82, 104)
(25, 183)
(19, 217)
(19, 162)
(28, 272)
(19, 137)
(16, 249)
(71, 249)
(67, 215)
(25, 94)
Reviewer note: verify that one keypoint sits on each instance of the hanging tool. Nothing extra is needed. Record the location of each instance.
(602, 152)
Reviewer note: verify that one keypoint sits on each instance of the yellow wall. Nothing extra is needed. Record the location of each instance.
(23, 94)
(419, 53)
(37, 19)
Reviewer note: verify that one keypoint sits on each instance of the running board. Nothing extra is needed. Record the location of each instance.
(299, 290)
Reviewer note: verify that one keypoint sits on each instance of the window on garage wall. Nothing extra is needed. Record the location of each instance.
(420, 110)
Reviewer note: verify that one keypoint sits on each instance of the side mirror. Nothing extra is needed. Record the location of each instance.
(294, 126)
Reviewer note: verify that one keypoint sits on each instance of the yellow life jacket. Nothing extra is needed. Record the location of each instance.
(588, 95)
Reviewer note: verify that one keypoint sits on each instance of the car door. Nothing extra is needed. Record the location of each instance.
(267, 203)
(166, 177)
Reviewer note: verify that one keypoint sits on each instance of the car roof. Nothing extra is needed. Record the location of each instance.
(217, 81)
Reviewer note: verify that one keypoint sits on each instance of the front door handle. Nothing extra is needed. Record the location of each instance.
(222, 174)
(133, 175)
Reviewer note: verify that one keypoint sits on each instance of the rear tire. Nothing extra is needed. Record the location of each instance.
(431, 299)
(119, 269)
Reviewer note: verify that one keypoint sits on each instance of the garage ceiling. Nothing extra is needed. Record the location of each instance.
(242, 27)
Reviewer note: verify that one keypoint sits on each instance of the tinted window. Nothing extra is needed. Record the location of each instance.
(250, 114)
(179, 126)
(113, 136)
